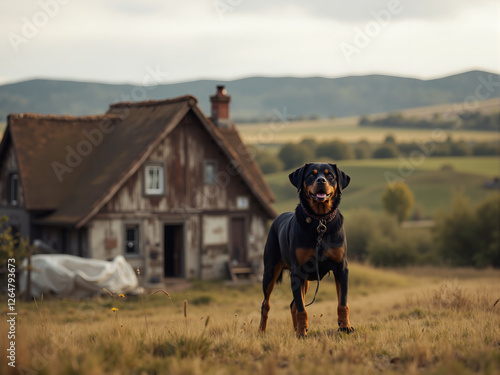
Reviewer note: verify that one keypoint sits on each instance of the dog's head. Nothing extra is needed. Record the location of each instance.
(320, 185)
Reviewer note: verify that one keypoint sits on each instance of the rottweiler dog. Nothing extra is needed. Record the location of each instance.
(310, 243)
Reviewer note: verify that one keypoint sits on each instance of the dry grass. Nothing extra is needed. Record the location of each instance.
(347, 129)
(404, 324)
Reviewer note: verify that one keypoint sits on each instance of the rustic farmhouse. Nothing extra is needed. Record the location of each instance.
(177, 193)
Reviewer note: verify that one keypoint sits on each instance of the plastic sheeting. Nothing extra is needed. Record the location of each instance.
(72, 276)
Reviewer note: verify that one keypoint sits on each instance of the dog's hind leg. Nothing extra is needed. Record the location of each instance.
(293, 311)
(273, 268)
(268, 283)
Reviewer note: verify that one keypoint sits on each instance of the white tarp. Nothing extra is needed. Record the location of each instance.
(72, 276)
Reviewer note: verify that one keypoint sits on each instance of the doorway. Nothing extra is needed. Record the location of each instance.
(238, 240)
(173, 244)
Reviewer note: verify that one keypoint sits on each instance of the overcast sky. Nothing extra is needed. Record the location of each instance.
(151, 41)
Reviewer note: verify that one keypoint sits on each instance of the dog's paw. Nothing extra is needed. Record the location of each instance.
(345, 329)
(301, 335)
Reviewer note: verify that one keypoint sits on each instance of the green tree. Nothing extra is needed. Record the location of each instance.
(390, 139)
(294, 155)
(487, 231)
(268, 162)
(387, 150)
(460, 148)
(398, 200)
(469, 236)
(335, 150)
(454, 232)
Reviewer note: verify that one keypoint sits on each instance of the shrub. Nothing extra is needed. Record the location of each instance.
(386, 151)
(469, 236)
(460, 148)
(487, 231)
(360, 229)
(269, 163)
(379, 239)
(390, 139)
(362, 150)
(12, 246)
(309, 143)
(485, 149)
(336, 150)
(294, 155)
(392, 252)
(441, 149)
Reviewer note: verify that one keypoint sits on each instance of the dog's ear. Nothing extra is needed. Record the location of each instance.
(297, 177)
(342, 178)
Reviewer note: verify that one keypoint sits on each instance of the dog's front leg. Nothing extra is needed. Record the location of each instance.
(299, 289)
(341, 281)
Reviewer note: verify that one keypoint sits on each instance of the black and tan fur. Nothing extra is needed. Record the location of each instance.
(292, 241)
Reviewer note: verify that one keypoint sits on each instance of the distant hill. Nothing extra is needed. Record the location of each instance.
(255, 98)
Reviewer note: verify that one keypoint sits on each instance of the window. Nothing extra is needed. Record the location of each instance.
(131, 239)
(14, 189)
(242, 203)
(154, 180)
(209, 171)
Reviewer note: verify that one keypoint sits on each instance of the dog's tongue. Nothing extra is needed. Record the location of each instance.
(321, 195)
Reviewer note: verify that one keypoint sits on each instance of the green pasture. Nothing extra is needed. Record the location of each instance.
(433, 187)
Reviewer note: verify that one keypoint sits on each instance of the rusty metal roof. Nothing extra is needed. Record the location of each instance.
(56, 178)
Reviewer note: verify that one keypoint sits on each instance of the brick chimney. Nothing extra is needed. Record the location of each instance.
(220, 108)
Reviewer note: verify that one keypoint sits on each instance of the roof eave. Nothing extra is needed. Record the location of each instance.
(136, 165)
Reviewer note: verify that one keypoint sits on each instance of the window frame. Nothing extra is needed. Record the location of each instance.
(137, 239)
(14, 191)
(160, 190)
(213, 179)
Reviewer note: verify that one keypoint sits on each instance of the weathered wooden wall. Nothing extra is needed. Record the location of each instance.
(205, 210)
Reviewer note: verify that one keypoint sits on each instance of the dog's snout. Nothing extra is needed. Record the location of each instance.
(321, 180)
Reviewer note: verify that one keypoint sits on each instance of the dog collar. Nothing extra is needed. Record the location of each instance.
(325, 219)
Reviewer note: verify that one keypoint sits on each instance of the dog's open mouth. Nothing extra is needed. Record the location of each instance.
(320, 196)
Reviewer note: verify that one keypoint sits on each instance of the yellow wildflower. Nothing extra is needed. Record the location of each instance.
(114, 309)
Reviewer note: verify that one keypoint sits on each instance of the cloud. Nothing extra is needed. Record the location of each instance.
(115, 40)
(361, 10)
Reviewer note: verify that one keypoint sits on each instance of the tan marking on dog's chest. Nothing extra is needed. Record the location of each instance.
(335, 253)
(304, 254)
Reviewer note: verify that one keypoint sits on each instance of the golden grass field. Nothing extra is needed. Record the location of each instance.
(412, 321)
(347, 129)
